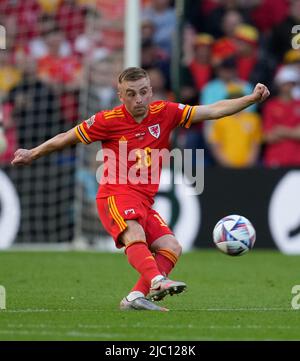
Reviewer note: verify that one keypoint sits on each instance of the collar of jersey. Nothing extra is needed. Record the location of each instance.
(131, 118)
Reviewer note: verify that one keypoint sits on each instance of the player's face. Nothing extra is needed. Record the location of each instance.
(136, 96)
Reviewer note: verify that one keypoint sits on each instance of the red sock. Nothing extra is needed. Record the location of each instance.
(140, 257)
(165, 266)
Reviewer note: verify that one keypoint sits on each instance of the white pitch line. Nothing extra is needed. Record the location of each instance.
(44, 310)
(71, 333)
(264, 309)
(140, 326)
(110, 336)
(244, 309)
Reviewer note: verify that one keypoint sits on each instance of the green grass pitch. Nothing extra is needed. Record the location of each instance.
(75, 296)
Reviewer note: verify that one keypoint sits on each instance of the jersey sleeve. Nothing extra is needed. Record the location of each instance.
(92, 129)
(180, 114)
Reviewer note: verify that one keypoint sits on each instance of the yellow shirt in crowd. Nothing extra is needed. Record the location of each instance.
(236, 135)
(10, 76)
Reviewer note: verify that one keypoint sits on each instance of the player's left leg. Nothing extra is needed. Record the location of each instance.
(167, 251)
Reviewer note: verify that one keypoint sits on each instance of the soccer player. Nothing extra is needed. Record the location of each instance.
(138, 127)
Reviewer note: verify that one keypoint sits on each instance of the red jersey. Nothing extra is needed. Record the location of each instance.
(201, 73)
(62, 69)
(285, 153)
(129, 147)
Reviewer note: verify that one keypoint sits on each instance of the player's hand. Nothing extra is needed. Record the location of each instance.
(260, 93)
(22, 157)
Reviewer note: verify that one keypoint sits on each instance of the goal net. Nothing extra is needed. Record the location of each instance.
(58, 67)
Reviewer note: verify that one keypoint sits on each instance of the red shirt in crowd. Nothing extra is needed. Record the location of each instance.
(278, 113)
(202, 73)
(60, 69)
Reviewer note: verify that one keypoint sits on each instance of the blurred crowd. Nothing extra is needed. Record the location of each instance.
(62, 59)
(228, 47)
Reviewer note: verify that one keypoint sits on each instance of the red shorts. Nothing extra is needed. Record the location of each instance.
(114, 210)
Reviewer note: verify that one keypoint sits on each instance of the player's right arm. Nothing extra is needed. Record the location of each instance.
(59, 142)
(93, 129)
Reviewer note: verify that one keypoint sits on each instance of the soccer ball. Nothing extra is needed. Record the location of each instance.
(234, 235)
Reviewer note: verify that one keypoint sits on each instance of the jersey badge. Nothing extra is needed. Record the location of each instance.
(154, 130)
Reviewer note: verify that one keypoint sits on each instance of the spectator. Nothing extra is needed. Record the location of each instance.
(33, 105)
(195, 73)
(158, 84)
(281, 37)
(10, 75)
(70, 18)
(153, 57)
(147, 30)
(55, 68)
(90, 43)
(235, 140)
(163, 15)
(281, 117)
(20, 18)
(223, 17)
(246, 41)
(112, 23)
(266, 14)
(38, 47)
(197, 58)
(102, 90)
(292, 57)
(226, 74)
(231, 19)
(243, 44)
(223, 48)
(191, 82)
(217, 89)
(62, 73)
(49, 6)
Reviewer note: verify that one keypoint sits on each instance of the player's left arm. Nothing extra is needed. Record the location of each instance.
(228, 107)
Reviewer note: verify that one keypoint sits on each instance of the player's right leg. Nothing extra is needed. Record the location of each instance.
(130, 233)
(141, 258)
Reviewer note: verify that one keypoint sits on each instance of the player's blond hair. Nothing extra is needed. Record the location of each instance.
(132, 74)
